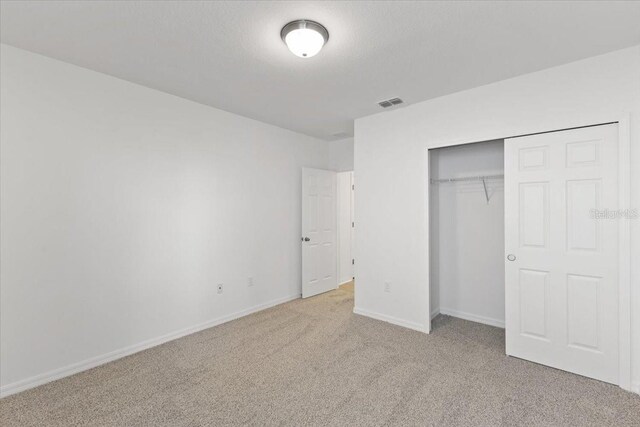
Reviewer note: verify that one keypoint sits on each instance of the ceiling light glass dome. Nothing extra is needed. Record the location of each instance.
(304, 38)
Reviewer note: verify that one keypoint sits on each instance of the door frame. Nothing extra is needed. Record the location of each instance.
(351, 229)
(624, 228)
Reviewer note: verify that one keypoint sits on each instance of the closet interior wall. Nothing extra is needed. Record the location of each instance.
(467, 232)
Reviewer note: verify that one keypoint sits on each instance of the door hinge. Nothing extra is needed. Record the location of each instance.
(353, 186)
(353, 224)
(353, 261)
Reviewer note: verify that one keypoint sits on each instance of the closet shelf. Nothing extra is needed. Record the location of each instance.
(482, 178)
(467, 178)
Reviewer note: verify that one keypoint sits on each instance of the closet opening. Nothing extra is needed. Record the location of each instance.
(467, 233)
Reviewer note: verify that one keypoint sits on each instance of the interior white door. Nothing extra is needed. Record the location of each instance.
(562, 256)
(319, 248)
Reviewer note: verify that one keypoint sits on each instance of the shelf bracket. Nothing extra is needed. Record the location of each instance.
(486, 193)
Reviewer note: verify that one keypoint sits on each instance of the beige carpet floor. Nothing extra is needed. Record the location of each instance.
(313, 362)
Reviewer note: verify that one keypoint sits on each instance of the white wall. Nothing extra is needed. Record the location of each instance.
(341, 155)
(345, 218)
(124, 207)
(467, 233)
(391, 170)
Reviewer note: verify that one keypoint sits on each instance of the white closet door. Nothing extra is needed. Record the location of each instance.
(319, 249)
(562, 264)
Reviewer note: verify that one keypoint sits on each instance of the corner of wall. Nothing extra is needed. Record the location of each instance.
(341, 155)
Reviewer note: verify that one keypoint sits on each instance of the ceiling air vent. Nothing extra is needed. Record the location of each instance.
(390, 102)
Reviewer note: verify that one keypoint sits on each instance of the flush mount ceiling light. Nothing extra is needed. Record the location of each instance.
(304, 38)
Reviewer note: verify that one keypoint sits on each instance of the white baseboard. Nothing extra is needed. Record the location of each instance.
(635, 387)
(93, 362)
(473, 317)
(390, 319)
(434, 313)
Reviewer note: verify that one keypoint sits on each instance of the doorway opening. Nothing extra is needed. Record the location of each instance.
(327, 231)
(346, 228)
(467, 232)
(561, 262)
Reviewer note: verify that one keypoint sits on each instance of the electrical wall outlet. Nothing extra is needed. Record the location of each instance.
(250, 281)
(387, 286)
(219, 288)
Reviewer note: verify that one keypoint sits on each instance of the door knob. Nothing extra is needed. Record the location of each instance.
(305, 239)
(511, 257)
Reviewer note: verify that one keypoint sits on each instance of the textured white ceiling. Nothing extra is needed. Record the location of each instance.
(229, 54)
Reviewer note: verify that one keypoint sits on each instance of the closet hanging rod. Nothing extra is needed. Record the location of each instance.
(467, 178)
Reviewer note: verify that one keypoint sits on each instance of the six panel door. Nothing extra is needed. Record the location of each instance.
(562, 250)
(319, 231)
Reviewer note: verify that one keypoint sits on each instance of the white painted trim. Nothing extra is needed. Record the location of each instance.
(339, 237)
(426, 231)
(434, 313)
(93, 362)
(390, 319)
(624, 251)
(594, 121)
(345, 282)
(473, 317)
(635, 387)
